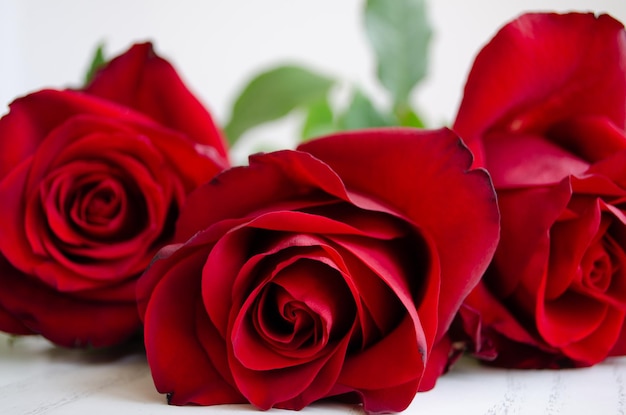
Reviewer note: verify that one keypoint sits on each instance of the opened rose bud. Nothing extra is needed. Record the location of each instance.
(331, 271)
(91, 183)
(544, 111)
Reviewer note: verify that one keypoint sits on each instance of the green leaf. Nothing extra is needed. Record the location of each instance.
(274, 94)
(362, 114)
(319, 120)
(97, 61)
(399, 33)
(407, 117)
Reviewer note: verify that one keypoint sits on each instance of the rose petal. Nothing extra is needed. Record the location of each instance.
(437, 364)
(322, 294)
(596, 347)
(381, 310)
(276, 180)
(9, 323)
(526, 160)
(368, 223)
(523, 254)
(399, 350)
(169, 324)
(568, 318)
(141, 80)
(579, 240)
(404, 279)
(613, 168)
(619, 348)
(569, 240)
(63, 319)
(291, 388)
(419, 173)
(496, 316)
(573, 135)
(540, 69)
(31, 120)
(227, 258)
(596, 183)
(13, 243)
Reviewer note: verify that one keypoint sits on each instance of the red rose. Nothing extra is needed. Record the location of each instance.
(91, 183)
(544, 111)
(334, 270)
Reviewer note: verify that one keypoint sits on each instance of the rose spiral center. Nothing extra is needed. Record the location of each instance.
(597, 265)
(94, 203)
(97, 205)
(299, 312)
(286, 322)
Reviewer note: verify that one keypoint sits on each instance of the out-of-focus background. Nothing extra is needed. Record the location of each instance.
(218, 45)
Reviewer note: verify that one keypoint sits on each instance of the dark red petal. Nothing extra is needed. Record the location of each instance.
(543, 68)
(377, 225)
(619, 348)
(291, 388)
(597, 346)
(583, 328)
(595, 182)
(66, 320)
(423, 176)
(323, 297)
(523, 253)
(27, 243)
(569, 318)
(13, 242)
(9, 323)
(30, 120)
(226, 261)
(324, 381)
(380, 309)
(170, 303)
(395, 399)
(403, 280)
(437, 364)
(398, 356)
(494, 317)
(12, 325)
(151, 277)
(89, 136)
(149, 84)
(575, 136)
(569, 241)
(612, 168)
(228, 275)
(274, 181)
(526, 160)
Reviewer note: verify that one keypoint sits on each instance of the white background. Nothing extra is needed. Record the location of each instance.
(218, 45)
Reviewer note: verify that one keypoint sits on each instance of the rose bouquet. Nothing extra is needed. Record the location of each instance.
(357, 266)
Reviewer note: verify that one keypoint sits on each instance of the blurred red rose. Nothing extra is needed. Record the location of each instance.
(334, 270)
(544, 111)
(91, 183)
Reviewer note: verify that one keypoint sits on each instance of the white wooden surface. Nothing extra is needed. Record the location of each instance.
(37, 378)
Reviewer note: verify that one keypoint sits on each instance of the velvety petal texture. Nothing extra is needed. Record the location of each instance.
(91, 187)
(544, 111)
(142, 80)
(541, 69)
(333, 270)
